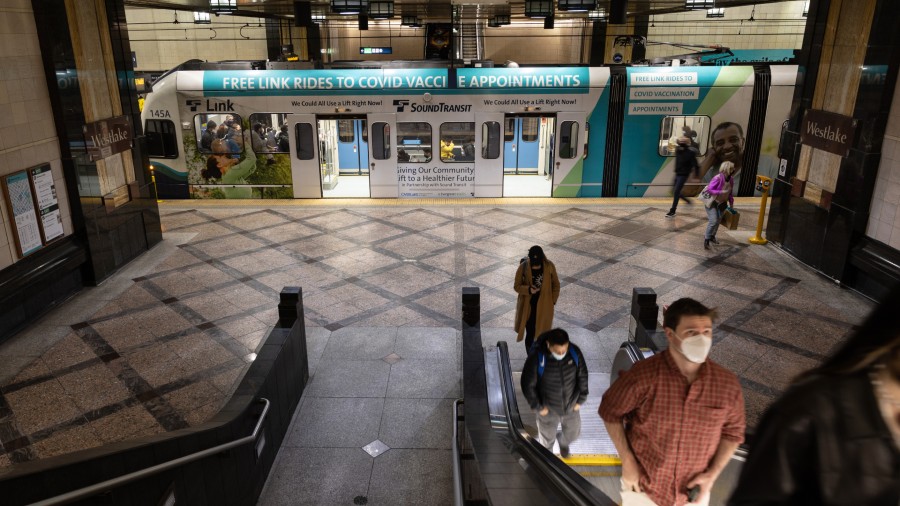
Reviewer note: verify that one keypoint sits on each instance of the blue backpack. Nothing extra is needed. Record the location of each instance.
(542, 359)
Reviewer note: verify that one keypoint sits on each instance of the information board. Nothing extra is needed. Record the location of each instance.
(20, 202)
(47, 202)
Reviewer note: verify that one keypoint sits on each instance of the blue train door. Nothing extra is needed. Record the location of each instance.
(528, 155)
(353, 146)
(521, 144)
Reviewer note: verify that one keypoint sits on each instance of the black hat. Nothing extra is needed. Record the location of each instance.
(536, 255)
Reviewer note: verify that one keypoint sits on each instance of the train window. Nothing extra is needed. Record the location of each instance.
(509, 134)
(161, 139)
(224, 127)
(364, 133)
(345, 130)
(381, 140)
(413, 141)
(270, 133)
(306, 141)
(696, 128)
(490, 140)
(530, 129)
(568, 139)
(458, 142)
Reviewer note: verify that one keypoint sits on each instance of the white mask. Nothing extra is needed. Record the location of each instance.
(696, 348)
(558, 356)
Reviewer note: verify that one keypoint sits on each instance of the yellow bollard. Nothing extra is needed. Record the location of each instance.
(763, 184)
(153, 180)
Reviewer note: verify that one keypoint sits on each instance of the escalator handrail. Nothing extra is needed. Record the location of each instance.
(578, 490)
(457, 475)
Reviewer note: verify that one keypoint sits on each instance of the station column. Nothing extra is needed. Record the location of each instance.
(833, 142)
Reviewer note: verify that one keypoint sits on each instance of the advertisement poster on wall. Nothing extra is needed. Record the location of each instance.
(20, 203)
(47, 202)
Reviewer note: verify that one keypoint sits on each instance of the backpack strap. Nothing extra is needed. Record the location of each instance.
(542, 360)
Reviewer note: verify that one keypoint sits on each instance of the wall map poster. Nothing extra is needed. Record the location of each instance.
(20, 202)
(47, 203)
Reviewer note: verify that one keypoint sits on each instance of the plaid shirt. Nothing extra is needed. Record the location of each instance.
(674, 428)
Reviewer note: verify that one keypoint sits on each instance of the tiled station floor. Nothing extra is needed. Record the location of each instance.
(161, 345)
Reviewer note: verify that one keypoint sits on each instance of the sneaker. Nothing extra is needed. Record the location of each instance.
(670, 214)
(713, 240)
(564, 451)
(705, 243)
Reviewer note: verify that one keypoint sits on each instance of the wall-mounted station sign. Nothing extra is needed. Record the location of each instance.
(828, 131)
(107, 137)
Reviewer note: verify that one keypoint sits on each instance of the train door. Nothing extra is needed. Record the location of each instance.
(305, 176)
(489, 155)
(339, 158)
(528, 150)
(568, 152)
(383, 181)
(353, 146)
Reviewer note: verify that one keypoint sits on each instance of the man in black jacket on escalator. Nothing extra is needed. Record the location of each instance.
(555, 382)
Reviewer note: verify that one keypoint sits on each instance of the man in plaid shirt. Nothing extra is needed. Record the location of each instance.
(677, 417)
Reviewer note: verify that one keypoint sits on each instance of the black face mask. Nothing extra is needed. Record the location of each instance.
(536, 262)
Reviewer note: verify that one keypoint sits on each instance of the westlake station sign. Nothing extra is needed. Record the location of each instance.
(107, 137)
(828, 131)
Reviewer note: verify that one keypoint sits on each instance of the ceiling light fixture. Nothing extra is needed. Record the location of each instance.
(201, 18)
(381, 10)
(539, 8)
(222, 6)
(715, 12)
(597, 15)
(699, 5)
(348, 7)
(577, 5)
(806, 8)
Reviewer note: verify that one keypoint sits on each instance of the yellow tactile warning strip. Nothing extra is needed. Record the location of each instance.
(592, 460)
(510, 201)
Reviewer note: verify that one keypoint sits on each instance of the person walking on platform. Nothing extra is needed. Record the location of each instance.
(721, 188)
(675, 418)
(834, 436)
(555, 382)
(685, 163)
(538, 287)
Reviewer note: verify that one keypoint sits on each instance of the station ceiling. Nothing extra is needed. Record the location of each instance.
(429, 10)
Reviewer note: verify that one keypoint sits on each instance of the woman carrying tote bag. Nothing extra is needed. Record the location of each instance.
(720, 191)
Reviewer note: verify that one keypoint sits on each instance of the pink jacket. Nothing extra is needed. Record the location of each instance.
(719, 185)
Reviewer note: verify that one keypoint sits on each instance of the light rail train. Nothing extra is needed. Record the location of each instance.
(412, 129)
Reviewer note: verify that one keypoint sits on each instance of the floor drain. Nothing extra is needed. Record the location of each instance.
(360, 499)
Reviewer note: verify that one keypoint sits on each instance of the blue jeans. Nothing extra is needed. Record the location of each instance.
(715, 216)
(679, 185)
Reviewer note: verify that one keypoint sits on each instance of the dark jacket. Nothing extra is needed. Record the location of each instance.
(824, 442)
(686, 161)
(562, 385)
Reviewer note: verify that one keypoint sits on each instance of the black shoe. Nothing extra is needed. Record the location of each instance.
(670, 214)
(705, 243)
(713, 240)
(564, 451)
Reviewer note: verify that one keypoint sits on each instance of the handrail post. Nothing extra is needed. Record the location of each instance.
(289, 305)
(457, 475)
(642, 327)
(471, 306)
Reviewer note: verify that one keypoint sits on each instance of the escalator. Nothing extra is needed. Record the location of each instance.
(592, 469)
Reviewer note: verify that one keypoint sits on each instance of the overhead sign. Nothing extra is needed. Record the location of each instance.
(107, 137)
(828, 131)
(376, 50)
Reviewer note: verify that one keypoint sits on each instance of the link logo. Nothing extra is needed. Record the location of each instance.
(195, 104)
(401, 104)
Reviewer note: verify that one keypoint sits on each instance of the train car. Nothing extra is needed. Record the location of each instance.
(465, 132)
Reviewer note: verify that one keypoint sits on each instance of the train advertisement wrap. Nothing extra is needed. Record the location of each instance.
(713, 107)
(460, 133)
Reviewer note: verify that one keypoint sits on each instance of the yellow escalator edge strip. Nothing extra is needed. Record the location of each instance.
(593, 460)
